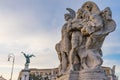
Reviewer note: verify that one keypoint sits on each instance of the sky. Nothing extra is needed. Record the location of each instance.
(34, 27)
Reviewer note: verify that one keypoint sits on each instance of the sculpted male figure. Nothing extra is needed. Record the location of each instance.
(77, 41)
(64, 46)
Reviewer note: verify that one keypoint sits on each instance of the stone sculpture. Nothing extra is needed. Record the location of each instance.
(82, 37)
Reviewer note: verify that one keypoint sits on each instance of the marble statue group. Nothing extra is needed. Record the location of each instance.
(82, 37)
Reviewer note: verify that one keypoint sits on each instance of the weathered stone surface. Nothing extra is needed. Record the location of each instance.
(73, 75)
(93, 74)
(79, 49)
(90, 74)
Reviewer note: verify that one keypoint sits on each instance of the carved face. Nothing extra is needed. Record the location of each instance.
(93, 19)
(89, 7)
(84, 31)
(80, 14)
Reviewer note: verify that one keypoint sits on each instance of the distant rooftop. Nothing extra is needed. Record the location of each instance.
(1, 78)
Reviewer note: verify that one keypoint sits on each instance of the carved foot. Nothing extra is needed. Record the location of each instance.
(69, 69)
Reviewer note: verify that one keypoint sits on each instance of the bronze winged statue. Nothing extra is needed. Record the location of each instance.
(28, 56)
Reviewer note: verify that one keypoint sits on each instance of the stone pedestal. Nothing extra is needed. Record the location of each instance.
(26, 66)
(93, 74)
(90, 74)
(73, 75)
(25, 75)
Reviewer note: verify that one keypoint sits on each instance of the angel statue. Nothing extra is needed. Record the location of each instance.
(27, 56)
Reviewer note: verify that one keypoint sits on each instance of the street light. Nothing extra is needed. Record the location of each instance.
(11, 56)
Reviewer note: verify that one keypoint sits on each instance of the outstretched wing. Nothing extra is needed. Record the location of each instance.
(31, 55)
(71, 12)
(24, 54)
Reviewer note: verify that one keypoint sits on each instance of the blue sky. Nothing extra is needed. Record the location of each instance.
(34, 27)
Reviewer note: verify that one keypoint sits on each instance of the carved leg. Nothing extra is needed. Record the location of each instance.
(71, 59)
(94, 59)
(75, 45)
(83, 63)
(64, 63)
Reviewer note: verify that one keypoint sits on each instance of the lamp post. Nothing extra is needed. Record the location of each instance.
(11, 56)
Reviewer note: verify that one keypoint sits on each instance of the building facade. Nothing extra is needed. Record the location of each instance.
(1, 78)
(41, 74)
(110, 73)
(51, 74)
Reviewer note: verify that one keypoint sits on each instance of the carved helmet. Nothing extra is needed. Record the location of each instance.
(91, 7)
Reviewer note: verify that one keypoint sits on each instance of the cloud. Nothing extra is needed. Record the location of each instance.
(111, 45)
(22, 31)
